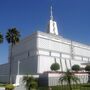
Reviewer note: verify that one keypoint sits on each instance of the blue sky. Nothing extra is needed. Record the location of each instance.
(28, 16)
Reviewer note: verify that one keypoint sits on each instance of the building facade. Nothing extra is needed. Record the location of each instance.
(39, 51)
(36, 53)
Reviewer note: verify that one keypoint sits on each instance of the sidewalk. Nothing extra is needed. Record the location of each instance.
(1, 88)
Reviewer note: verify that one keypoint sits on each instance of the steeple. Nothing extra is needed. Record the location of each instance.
(51, 17)
(52, 26)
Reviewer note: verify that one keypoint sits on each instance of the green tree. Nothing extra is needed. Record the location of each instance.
(87, 68)
(30, 82)
(69, 77)
(76, 67)
(1, 38)
(55, 66)
(12, 37)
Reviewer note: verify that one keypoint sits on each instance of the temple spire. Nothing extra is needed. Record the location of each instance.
(52, 26)
(51, 17)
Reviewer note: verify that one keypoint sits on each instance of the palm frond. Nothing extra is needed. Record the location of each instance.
(69, 77)
(12, 36)
(30, 82)
(75, 79)
(1, 38)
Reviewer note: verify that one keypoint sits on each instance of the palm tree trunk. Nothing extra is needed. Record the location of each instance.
(10, 66)
(70, 87)
(69, 83)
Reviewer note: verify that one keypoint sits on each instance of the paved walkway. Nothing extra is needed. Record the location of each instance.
(17, 88)
(21, 87)
(2, 88)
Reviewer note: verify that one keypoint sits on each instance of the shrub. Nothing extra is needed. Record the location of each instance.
(87, 68)
(86, 85)
(9, 87)
(68, 77)
(76, 67)
(55, 66)
(30, 82)
(33, 85)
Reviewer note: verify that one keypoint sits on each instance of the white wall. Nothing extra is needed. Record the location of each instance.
(51, 47)
(37, 52)
(4, 72)
(59, 44)
(26, 66)
(40, 50)
(25, 45)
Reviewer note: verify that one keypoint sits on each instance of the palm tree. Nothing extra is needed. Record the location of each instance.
(30, 82)
(12, 37)
(1, 38)
(69, 77)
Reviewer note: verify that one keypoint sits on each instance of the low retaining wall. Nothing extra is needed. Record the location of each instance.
(52, 79)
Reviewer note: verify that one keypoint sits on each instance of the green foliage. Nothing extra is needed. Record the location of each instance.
(69, 77)
(9, 87)
(12, 36)
(33, 84)
(87, 68)
(86, 85)
(2, 85)
(1, 38)
(55, 66)
(76, 67)
(66, 87)
(30, 82)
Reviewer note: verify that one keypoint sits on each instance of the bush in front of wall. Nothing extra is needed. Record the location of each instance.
(55, 67)
(30, 82)
(87, 68)
(76, 67)
(33, 85)
(9, 87)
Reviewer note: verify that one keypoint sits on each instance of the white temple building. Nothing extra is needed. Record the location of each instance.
(36, 53)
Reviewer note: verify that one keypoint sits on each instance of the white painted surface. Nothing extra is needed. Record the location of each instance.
(52, 28)
(1, 88)
(37, 53)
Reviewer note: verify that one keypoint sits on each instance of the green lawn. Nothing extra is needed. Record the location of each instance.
(2, 85)
(65, 87)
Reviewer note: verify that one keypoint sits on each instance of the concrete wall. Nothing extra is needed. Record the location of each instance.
(53, 48)
(40, 50)
(4, 71)
(25, 53)
(37, 52)
(56, 44)
(26, 66)
(52, 79)
(44, 63)
(24, 46)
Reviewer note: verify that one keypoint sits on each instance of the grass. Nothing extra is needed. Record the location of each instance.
(2, 85)
(62, 87)
(65, 87)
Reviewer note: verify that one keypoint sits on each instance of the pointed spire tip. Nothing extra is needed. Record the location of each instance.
(51, 14)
